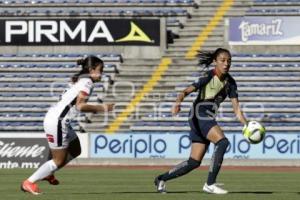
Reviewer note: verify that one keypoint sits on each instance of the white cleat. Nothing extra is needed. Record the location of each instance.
(214, 189)
(160, 186)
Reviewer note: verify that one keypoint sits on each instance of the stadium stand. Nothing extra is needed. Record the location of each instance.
(275, 8)
(276, 2)
(264, 80)
(102, 3)
(175, 11)
(96, 12)
(144, 8)
(30, 83)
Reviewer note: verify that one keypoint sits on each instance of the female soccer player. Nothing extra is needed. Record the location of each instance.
(62, 139)
(213, 88)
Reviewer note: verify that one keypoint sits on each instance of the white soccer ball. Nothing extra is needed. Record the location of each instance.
(254, 132)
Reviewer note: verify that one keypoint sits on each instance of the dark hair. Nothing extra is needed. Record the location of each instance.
(90, 62)
(207, 57)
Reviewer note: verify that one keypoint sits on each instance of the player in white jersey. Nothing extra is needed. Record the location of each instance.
(62, 139)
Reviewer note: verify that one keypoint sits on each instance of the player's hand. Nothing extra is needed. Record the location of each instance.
(175, 109)
(109, 106)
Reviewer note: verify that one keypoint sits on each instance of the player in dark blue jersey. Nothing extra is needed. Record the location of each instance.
(212, 89)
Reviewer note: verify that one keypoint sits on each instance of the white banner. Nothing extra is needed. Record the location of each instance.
(149, 145)
(276, 30)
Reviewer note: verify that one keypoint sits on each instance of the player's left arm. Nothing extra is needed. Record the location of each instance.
(238, 111)
(83, 106)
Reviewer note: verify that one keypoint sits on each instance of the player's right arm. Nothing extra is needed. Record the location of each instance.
(180, 98)
(83, 106)
(190, 89)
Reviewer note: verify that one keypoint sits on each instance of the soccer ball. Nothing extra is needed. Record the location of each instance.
(254, 132)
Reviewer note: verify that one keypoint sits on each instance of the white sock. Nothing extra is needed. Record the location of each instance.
(45, 170)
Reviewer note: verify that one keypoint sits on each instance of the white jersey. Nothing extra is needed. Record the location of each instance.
(68, 98)
(57, 120)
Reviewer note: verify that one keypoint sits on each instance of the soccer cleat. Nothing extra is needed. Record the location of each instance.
(32, 188)
(219, 184)
(51, 179)
(160, 185)
(214, 189)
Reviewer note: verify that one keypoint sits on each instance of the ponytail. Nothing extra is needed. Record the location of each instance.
(207, 57)
(90, 62)
(81, 62)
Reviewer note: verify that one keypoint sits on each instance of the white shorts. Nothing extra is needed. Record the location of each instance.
(59, 133)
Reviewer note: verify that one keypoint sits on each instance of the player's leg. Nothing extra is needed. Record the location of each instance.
(198, 149)
(197, 152)
(51, 178)
(48, 168)
(74, 150)
(58, 144)
(216, 136)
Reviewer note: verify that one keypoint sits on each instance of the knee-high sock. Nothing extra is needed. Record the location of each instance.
(180, 169)
(216, 160)
(45, 170)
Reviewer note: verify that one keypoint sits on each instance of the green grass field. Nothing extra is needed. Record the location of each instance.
(137, 184)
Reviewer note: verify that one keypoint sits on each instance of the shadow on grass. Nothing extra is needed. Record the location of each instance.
(179, 192)
(251, 192)
(169, 192)
(261, 192)
(139, 192)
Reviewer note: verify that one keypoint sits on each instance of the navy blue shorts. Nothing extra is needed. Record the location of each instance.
(200, 127)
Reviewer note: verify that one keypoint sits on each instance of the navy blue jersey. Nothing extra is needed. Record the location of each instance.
(213, 91)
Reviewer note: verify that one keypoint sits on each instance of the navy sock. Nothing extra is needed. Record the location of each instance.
(180, 169)
(216, 160)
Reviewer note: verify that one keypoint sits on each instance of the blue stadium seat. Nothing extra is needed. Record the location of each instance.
(244, 55)
(90, 11)
(9, 105)
(268, 85)
(93, 1)
(277, 116)
(16, 124)
(222, 124)
(293, 115)
(268, 95)
(22, 114)
(258, 74)
(276, 1)
(52, 66)
(35, 75)
(265, 65)
(274, 11)
(59, 55)
(268, 105)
